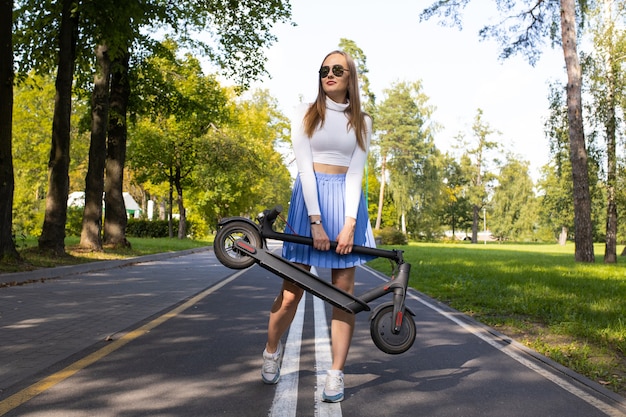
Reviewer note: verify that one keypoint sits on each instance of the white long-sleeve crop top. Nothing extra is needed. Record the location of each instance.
(333, 143)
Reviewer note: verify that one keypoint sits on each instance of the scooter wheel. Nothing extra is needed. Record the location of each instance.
(381, 330)
(224, 244)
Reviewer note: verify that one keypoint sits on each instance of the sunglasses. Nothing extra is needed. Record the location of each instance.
(337, 71)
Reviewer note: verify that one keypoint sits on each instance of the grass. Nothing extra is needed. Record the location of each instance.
(537, 294)
(572, 312)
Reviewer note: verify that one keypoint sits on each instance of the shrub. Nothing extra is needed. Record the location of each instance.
(153, 228)
(147, 228)
(74, 222)
(391, 236)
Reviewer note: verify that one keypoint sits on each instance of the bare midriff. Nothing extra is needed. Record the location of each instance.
(329, 169)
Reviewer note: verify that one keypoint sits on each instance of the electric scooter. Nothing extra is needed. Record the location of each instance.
(240, 243)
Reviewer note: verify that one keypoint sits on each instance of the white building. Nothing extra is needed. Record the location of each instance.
(77, 199)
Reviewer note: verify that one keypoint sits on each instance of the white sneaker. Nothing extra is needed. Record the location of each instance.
(333, 389)
(270, 373)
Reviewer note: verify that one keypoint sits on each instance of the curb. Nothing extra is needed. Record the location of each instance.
(41, 275)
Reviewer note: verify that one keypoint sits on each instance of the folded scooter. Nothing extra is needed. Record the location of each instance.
(240, 243)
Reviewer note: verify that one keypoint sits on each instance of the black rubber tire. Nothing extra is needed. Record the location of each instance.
(225, 239)
(381, 327)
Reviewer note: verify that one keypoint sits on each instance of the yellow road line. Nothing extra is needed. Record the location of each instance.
(37, 388)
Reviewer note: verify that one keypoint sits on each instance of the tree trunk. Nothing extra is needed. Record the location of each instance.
(381, 197)
(7, 178)
(115, 219)
(610, 250)
(170, 226)
(52, 237)
(475, 217)
(91, 234)
(162, 209)
(563, 236)
(583, 237)
(182, 219)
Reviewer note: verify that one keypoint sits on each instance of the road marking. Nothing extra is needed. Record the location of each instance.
(509, 351)
(45, 384)
(286, 396)
(323, 361)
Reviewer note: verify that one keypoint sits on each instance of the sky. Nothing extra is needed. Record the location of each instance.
(458, 72)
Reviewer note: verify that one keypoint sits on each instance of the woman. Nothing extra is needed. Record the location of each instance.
(330, 139)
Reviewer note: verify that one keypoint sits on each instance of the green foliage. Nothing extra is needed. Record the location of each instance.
(368, 99)
(242, 173)
(479, 160)
(32, 127)
(513, 205)
(406, 143)
(235, 37)
(556, 208)
(456, 210)
(74, 222)
(147, 228)
(390, 236)
(165, 143)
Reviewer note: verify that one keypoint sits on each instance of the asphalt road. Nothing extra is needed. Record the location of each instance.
(183, 336)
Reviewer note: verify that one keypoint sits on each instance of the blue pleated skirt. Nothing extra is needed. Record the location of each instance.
(331, 196)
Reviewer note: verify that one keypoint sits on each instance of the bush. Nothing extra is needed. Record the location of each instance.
(153, 228)
(74, 222)
(147, 228)
(391, 236)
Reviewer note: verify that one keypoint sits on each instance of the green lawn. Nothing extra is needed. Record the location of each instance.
(575, 313)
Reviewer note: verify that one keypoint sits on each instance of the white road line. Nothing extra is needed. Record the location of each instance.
(509, 351)
(286, 396)
(323, 360)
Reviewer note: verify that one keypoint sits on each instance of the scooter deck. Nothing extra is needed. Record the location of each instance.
(303, 279)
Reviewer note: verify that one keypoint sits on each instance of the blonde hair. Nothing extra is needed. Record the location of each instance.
(316, 113)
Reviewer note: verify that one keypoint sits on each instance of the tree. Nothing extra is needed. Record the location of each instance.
(368, 98)
(406, 145)
(513, 209)
(456, 211)
(556, 185)
(113, 33)
(621, 204)
(52, 236)
(241, 31)
(603, 70)
(524, 30)
(241, 171)
(91, 236)
(477, 167)
(32, 124)
(557, 206)
(556, 211)
(165, 146)
(7, 179)
(115, 217)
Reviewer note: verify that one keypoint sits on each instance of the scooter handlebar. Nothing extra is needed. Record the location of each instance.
(272, 214)
(267, 220)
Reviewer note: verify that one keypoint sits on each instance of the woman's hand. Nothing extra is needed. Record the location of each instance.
(320, 238)
(345, 239)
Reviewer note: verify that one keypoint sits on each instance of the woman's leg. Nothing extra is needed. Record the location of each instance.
(282, 314)
(342, 324)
